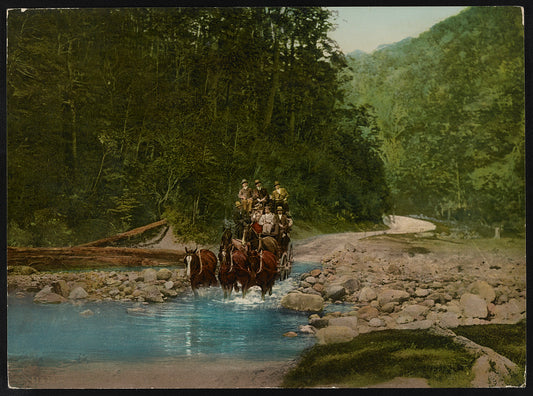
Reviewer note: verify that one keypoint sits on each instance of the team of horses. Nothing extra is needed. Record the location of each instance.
(240, 265)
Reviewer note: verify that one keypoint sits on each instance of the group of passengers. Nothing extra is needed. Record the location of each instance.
(263, 213)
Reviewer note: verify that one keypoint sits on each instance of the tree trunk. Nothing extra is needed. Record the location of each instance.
(44, 259)
(124, 235)
(273, 88)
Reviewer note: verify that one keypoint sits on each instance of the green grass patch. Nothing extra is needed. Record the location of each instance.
(380, 356)
(508, 340)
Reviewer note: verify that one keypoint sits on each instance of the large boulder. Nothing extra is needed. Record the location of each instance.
(415, 310)
(367, 294)
(164, 274)
(473, 306)
(351, 285)
(368, 312)
(348, 321)
(483, 290)
(149, 275)
(335, 292)
(78, 293)
(449, 320)
(392, 295)
(303, 302)
(47, 296)
(510, 312)
(61, 287)
(152, 294)
(335, 334)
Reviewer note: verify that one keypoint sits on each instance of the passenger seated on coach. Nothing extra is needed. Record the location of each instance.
(269, 223)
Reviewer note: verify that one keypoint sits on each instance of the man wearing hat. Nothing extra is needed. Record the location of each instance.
(280, 196)
(245, 195)
(284, 224)
(260, 195)
(241, 220)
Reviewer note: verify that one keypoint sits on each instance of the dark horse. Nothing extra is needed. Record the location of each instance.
(264, 268)
(227, 275)
(201, 266)
(258, 242)
(243, 273)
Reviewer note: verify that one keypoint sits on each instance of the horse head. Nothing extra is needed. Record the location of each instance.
(191, 258)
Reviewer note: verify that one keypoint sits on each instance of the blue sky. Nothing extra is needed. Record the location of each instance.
(365, 28)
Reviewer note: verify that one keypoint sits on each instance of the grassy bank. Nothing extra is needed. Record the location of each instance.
(380, 356)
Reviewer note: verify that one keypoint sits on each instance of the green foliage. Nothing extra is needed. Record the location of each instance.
(115, 115)
(381, 356)
(449, 105)
(508, 340)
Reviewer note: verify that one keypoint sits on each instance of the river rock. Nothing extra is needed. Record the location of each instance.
(87, 312)
(311, 280)
(368, 312)
(449, 320)
(416, 325)
(392, 295)
(164, 274)
(335, 292)
(316, 272)
(318, 323)
(376, 322)
(367, 294)
(149, 275)
(78, 293)
(483, 289)
(348, 321)
(169, 285)
(47, 296)
(290, 334)
(510, 312)
(351, 285)
(415, 310)
(335, 334)
(152, 294)
(473, 306)
(319, 287)
(303, 302)
(421, 292)
(61, 287)
(307, 329)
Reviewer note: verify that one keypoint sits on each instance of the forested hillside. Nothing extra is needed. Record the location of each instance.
(117, 118)
(449, 107)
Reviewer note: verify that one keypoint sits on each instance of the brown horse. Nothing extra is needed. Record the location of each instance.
(241, 266)
(201, 267)
(265, 268)
(258, 242)
(227, 275)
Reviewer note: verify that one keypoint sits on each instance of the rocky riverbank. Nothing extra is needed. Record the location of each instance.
(413, 282)
(148, 285)
(416, 281)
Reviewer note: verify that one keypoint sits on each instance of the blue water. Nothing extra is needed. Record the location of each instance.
(207, 326)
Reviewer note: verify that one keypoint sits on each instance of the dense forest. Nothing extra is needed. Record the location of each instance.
(449, 107)
(120, 117)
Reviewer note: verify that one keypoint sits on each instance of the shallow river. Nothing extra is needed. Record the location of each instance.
(182, 327)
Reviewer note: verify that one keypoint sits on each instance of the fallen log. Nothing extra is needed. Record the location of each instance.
(43, 259)
(124, 235)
